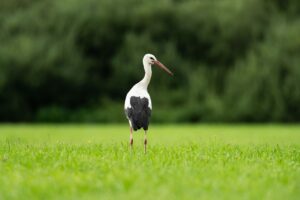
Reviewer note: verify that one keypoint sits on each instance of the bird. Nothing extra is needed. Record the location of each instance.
(138, 105)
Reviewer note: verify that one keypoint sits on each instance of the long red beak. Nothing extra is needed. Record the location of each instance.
(159, 64)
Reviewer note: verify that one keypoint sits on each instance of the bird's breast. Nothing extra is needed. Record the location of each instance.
(138, 93)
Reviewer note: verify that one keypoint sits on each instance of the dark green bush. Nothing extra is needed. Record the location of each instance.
(268, 79)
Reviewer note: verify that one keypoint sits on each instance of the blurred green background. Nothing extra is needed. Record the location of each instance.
(75, 60)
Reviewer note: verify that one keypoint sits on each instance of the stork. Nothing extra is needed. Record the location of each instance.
(138, 104)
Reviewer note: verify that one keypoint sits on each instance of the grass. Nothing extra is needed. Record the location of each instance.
(183, 162)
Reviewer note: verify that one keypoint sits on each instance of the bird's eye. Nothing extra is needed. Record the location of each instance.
(151, 58)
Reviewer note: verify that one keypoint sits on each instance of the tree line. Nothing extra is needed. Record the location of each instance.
(74, 61)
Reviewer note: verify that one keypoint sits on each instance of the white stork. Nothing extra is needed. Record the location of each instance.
(138, 104)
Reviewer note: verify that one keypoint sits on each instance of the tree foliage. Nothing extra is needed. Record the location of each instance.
(75, 60)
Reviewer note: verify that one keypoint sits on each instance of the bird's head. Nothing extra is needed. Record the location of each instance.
(151, 60)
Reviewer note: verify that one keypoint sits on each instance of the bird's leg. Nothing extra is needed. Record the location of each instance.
(131, 138)
(145, 142)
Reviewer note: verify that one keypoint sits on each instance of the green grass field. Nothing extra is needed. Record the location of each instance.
(183, 162)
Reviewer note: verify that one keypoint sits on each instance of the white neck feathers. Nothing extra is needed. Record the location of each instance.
(148, 73)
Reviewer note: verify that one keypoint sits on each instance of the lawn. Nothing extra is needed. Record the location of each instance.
(182, 162)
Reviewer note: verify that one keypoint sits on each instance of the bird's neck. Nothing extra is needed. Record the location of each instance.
(148, 73)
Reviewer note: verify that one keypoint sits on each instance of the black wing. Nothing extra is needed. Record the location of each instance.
(139, 114)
